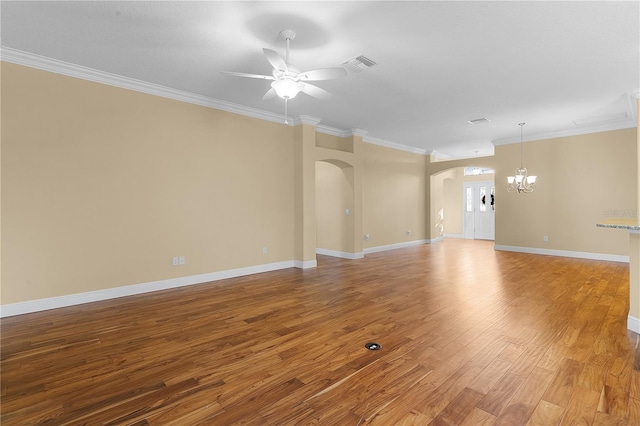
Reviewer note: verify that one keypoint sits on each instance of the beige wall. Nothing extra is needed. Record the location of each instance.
(102, 186)
(582, 180)
(393, 196)
(452, 202)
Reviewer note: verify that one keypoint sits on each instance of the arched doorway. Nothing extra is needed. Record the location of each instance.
(335, 213)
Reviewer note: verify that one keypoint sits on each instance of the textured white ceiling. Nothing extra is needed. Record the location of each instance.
(549, 64)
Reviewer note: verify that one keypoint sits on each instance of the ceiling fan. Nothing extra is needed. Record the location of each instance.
(288, 81)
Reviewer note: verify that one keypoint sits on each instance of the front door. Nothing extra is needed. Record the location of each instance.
(479, 210)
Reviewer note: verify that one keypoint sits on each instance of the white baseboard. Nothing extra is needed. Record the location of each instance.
(305, 264)
(633, 324)
(565, 253)
(396, 246)
(341, 254)
(130, 290)
(460, 236)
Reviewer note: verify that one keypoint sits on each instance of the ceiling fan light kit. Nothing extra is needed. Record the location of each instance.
(287, 88)
(287, 81)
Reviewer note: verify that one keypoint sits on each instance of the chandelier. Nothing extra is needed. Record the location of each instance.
(521, 182)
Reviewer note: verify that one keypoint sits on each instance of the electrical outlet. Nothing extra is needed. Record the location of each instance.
(546, 238)
(264, 250)
(181, 260)
(367, 237)
(176, 261)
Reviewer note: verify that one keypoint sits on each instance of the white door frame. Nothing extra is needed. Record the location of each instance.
(478, 218)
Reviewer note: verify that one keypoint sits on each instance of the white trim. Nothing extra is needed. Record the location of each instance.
(461, 236)
(633, 103)
(394, 145)
(396, 246)
(328, 130)
(341, 254)
(305, 264)
(358, 132)
(130, 290)
(307, 119)
(77, 71)
(565, 253)
(72, 70)
(633, 324)
(321, 128)
(627, 123)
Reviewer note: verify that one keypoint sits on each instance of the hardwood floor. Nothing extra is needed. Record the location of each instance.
(469, 336)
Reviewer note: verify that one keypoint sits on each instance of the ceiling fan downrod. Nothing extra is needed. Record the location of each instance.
(288, 35)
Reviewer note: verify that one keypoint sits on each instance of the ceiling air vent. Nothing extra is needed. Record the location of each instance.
(359, 63)
(479, 121)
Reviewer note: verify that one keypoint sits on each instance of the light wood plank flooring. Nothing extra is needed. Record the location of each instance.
(469, 336)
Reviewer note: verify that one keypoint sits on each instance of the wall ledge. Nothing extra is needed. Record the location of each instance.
(131, 290)
(565, 253)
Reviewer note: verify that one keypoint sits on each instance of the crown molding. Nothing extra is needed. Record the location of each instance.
(634, 95)
(358, 132)
(628, 119)
(307, 119)
(333, 131)
(621, 125)
(44, 63)
(368, 139)
(32, 60)
(393, 145)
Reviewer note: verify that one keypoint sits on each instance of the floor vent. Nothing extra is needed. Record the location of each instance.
(372, 346)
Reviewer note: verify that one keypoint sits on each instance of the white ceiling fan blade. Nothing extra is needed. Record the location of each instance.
(270, 94)
(323, 74)
(275, 60)
(315, 91)
(243, 74)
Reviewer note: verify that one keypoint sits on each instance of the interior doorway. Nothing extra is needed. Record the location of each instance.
(479, 210)
(334, 207)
